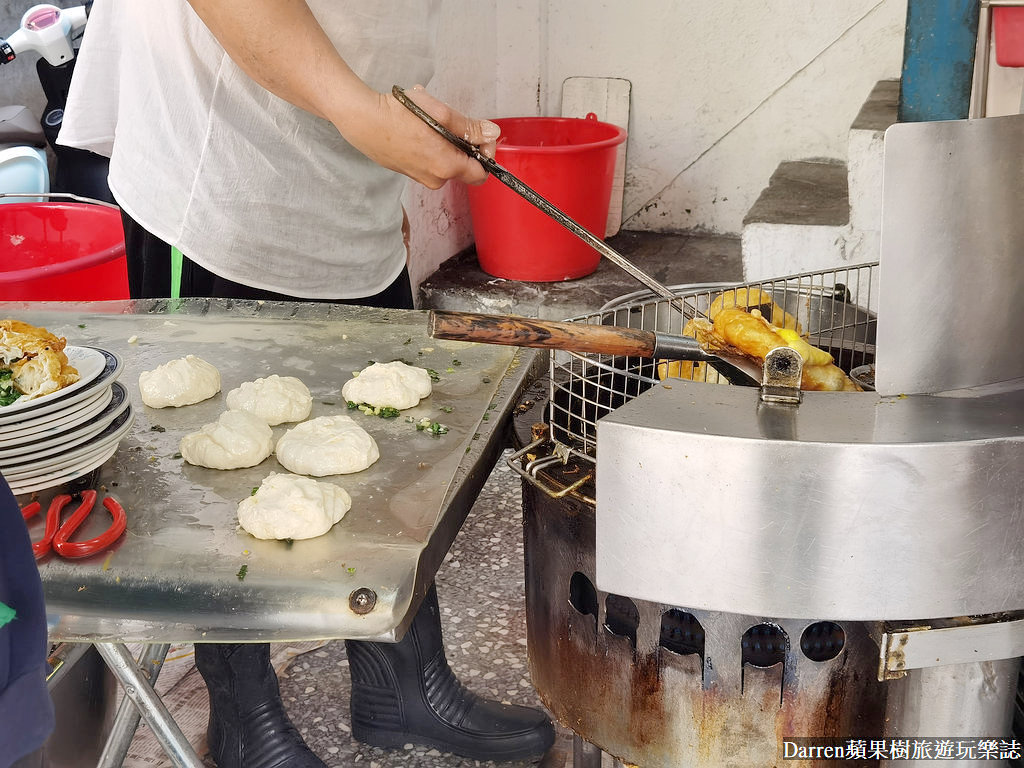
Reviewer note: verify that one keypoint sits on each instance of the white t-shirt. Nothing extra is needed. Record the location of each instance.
(242, 182)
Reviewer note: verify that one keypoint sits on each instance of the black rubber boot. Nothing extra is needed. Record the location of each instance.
(406, 692)
(248, 725)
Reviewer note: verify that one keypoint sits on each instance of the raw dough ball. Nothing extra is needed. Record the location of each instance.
(184, 381)
(237, 439)
(396, 384)
(292, 507)
(275, 399)
(329, 445)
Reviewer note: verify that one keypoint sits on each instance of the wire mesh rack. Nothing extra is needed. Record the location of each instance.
(834, 310)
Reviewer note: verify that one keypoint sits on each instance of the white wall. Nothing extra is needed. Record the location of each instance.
(722, 91)
(464, 77)
(1005, 89)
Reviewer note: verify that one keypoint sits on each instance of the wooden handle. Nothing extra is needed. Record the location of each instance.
(547, 334)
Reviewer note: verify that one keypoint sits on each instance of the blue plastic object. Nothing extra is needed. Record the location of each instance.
(938, 60)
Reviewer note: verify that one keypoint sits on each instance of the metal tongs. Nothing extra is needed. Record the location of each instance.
(740, 365)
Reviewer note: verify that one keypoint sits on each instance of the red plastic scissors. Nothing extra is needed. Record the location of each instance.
(56, 536)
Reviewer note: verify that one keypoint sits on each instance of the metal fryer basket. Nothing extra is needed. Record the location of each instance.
(835, 309)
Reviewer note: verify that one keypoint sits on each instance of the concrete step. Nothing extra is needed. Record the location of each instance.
(799, 222)
(820, 214)
(673, 259)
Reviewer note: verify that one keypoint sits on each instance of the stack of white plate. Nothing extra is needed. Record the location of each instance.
(58, 437)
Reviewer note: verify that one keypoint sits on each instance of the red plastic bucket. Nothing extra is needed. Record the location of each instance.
(1008, 31)
(568, 161)
(61, 251)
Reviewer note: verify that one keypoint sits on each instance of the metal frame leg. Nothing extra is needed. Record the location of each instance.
(139, 690)
(584, 754)
(126, 721)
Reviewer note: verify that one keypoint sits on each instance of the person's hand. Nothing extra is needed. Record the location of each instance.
(399, 140)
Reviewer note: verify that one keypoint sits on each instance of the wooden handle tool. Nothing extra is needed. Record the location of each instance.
(579, 337)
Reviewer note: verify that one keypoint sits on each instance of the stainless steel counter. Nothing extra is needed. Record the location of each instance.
(175, 575)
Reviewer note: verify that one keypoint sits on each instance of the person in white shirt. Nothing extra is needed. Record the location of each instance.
(260, 138)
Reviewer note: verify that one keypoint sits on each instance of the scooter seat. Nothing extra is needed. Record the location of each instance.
(23, 174)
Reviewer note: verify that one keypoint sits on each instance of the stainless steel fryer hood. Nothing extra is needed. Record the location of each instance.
(849, 506)
(952, 255)
(900, 504)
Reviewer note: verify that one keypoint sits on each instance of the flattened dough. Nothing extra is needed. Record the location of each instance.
(292, 507)
(394, 384)
(329, 445)
(184, 381)
(275, 399)
(237, 439)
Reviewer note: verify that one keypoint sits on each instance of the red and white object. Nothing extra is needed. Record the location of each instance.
(47, 30)
(1008, 33)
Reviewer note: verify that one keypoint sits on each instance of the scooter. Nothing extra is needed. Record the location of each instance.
(51, 32)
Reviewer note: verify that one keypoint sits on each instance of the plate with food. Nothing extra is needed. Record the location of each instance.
(112, 435)
(101, 367)
(36, 364)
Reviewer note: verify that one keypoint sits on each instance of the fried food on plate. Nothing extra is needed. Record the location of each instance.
(33, 360)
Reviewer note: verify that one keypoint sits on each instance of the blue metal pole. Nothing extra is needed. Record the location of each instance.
(938, 59)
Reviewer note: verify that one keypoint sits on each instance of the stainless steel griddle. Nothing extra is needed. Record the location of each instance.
(174, 577)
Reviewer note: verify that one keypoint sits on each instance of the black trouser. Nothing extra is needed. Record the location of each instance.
(149, 277)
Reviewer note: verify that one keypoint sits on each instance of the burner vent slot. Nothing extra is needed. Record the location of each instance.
(822, 641)
(621, 617)
(681, 633)
(764, 645)
(583, 597)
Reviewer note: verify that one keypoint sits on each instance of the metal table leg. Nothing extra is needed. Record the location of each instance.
(126, 721)
(585, 754)
(138, 689)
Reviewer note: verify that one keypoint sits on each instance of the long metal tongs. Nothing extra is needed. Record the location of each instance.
(507, 178)
(738, 364)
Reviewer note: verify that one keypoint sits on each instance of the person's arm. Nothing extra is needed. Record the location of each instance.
(281, 46)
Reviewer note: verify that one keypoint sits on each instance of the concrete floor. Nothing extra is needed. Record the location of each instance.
(480, 589)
